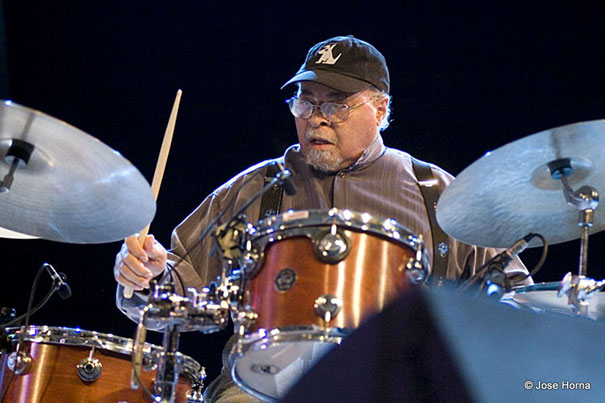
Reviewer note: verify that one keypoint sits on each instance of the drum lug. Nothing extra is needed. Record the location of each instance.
(250, 260)
(327, 306)
(245, 318)
(89, 369)
(415, 269)
(20, 364)
(331, 246)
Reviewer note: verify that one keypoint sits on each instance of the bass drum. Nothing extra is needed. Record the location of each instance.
(316, 276)
(74, 365)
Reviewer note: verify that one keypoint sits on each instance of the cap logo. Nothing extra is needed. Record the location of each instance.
(327, 57)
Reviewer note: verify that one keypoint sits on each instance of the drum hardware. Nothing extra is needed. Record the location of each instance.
(579, 290)
(196, 394)
(173, 313)
(331, 246)
(19, 362)
(59, 180)
(327, 307)
(244, 319)
(90, 368)
(415, 268)
(230, 237)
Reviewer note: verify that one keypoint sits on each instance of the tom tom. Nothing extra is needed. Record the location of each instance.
(542, 298)
(74, 365)
(316, 275)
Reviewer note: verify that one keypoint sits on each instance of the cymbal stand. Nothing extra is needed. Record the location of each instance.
(578, 288)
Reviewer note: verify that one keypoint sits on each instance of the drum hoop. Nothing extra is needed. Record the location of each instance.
(278, 336)
(285, 334)
(298, 223)
(87, 338)
(548, 286)
(360, 222)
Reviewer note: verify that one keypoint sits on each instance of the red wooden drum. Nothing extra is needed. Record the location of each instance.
(73, 365)
(317, 275)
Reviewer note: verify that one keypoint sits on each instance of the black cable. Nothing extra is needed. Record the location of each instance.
(137, 374)
(540, 263)
(27, 316)
(33, 311)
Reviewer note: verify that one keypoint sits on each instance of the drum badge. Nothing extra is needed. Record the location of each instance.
(285, 279)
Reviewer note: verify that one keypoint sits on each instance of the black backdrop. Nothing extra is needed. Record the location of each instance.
(467, 77)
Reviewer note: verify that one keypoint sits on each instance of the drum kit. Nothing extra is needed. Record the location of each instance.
(295, 284)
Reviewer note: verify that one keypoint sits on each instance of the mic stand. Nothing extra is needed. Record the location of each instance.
(279, 179)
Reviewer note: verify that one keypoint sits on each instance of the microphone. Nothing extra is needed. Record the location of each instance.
(492, 275)
(504, 258)
(286, 178)
(58, 279)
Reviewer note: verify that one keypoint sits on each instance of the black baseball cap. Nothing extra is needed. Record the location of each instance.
(346, 64)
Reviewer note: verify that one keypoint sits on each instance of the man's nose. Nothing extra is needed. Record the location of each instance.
(318, 118)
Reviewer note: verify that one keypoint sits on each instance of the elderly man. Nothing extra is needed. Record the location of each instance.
(341, 104)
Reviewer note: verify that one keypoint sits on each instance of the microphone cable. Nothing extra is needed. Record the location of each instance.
(30, 311)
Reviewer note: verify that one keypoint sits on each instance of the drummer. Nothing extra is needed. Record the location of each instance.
(340, 105)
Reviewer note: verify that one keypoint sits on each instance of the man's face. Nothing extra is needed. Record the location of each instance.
(331, 147)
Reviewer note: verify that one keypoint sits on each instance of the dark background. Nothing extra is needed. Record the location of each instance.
(467, 77)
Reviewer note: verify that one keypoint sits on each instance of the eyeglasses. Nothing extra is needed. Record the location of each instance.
(335, 113)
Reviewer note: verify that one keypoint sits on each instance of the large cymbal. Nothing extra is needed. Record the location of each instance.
(74, 188)
(509, 192)
(6, 233)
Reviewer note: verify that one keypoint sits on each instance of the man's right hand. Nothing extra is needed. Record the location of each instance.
(137, 264)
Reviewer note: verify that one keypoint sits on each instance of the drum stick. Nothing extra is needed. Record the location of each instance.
(159, 169)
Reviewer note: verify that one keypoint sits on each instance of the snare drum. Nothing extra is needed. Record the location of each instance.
(73, 365)
(542, 298)
(316, 276)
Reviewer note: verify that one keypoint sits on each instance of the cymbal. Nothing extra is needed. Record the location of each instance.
(73, 189)
(510, 192)
(8, 234)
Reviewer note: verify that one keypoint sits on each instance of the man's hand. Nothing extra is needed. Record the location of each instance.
(137, 264)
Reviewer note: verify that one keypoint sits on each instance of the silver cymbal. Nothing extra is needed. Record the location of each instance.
(509, 192)
(6, 233)
(73, 189)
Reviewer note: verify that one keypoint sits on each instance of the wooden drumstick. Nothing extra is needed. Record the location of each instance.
(159, 169)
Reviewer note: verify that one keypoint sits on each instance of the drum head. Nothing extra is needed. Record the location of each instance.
(543, 298)
(268, 367)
